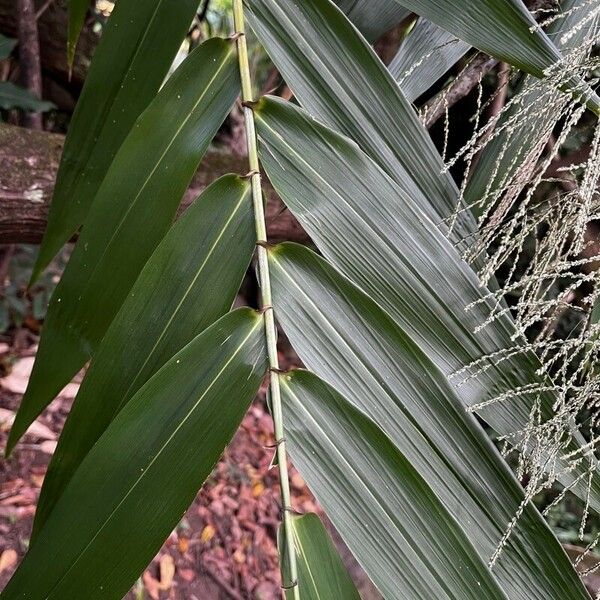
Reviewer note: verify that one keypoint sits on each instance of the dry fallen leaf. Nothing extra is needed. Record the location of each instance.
(167, 572)
(257, 489)
(48, 447)
(207, 534)
(37, 479)
(36, 429)
(16, 380)
(152, 585)
(187, 574)
(8, 559)
(70, 391)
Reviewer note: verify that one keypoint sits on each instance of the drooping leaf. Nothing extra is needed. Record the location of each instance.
(7, 45)
(424, 57)
(321, 572)
(338, 78)
(136, 49)
(373, 18)
(190, 280)
(132, 212)
(13, 96)
(141, 475)
(506, 153)
(347, 204)
(77, 13)
(347, 340)
(504, 29)
(400, 534)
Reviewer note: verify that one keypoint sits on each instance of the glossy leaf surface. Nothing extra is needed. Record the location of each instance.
(338, 79)
(502, 28)
(373, 17)
(134, 209)
(515, 143)
(347, 340)
(190, 280)
(321, 572)
(404, 539)
(132, 59)
(133, 487)
(378, 237)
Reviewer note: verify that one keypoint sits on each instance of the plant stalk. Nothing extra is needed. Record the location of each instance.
(266, 298)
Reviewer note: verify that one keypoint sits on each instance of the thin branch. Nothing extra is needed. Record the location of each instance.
(469, 78)
(461, 87)
(43, 9)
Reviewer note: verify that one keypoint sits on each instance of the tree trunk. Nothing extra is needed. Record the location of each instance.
(29, 58)
(52, 34)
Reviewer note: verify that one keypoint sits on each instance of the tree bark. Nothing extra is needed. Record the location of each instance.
(52, 34)
(29, 58)
(30, 161)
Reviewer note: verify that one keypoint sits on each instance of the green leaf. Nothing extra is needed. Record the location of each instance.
(373, 18)
(133, 210)
(145, 470)
(400, 534)
(338, 79)
(13, 96)
(7, 45)
(424, 57)
(190, 281)
(504, 29)
(77, 13)
(135, 52)
(321, 572)
(504, 155)
(378, 236)
(347, 340)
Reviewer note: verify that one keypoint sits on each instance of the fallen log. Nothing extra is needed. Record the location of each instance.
(28, 164)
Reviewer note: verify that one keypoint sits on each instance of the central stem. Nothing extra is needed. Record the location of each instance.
(266, 301)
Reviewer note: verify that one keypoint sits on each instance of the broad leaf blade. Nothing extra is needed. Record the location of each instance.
(501, 28)
(338, 79)
(348, 205)
(424, 57)
(321, 572)
(373, 18)
(190, 280)
(132, 212)
(347, 340)
(130, 63)
(505, 154)
(137, 481)
(396, 528)
(504, 29)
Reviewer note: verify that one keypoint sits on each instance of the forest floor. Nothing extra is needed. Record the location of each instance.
(225, 546)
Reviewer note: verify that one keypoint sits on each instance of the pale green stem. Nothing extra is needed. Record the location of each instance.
(266, 301)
